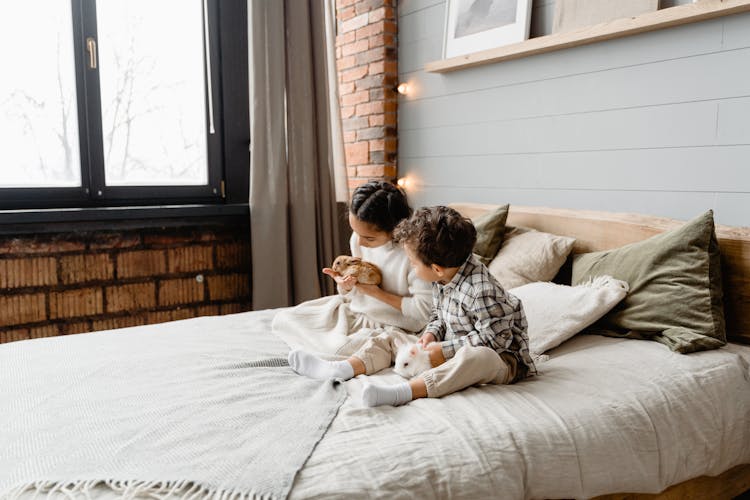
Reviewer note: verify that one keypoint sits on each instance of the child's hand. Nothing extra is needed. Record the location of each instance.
(426, 338)
(346, 283)
(435, 350)
(370, 290)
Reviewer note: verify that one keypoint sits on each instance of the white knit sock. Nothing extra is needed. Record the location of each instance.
(312, 366)
(394, 395)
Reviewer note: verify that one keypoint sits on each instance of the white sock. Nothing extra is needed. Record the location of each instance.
(312, 366)
(394, 395)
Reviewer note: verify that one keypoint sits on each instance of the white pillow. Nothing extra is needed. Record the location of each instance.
(555, 312)
(527, 255)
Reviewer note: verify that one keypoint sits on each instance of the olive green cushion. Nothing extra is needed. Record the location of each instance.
(490, 230)
(675, 287)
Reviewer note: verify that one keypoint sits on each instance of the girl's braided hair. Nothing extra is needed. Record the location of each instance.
(381, 204)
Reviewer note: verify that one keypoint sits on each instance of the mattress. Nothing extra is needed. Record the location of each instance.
(604, 415)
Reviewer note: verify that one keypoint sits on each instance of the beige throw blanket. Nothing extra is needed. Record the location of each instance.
(327, 326)
(179, 407)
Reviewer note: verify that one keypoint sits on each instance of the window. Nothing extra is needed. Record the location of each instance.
(114, 103)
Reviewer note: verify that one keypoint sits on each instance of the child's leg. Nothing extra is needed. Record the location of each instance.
(377, 353)
(470, 366)
(394, 395)
(310, 365)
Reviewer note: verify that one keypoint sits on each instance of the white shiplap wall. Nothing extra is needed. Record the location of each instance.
(657, 123)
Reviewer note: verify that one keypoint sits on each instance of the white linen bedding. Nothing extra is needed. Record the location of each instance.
(604, 415)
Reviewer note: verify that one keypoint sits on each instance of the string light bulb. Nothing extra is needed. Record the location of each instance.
(403, 182)
(402, 88)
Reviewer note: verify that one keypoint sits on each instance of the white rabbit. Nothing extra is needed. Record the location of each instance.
(411, 360)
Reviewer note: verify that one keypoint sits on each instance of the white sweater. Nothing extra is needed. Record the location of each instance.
(398, 278)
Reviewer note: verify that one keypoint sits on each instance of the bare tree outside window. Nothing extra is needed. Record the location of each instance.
(38, 105)
(151, 71)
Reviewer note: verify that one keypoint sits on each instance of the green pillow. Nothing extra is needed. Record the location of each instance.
(675, 287)
(490, 231)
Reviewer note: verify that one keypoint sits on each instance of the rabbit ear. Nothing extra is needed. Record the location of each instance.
(355, 259)
(398, 342)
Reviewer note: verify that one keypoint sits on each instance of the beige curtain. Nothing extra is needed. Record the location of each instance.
(293, 222)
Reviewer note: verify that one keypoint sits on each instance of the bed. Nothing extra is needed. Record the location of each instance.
(607, 417)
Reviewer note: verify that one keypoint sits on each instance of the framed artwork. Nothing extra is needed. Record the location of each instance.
(474, 25)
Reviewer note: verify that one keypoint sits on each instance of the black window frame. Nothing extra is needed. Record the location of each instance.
(228, 153)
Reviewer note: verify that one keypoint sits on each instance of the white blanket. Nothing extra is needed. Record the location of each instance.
(197, 406)
(605, 415)
(326, 326)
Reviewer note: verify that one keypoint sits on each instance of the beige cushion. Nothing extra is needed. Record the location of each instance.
(527, 255)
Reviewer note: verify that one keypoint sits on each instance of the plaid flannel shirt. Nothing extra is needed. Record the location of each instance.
(474, 308)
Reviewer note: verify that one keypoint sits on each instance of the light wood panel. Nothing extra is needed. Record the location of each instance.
(726, 486)
(700, 169)
(665, 18)
(672, 125)
(656, 46)
(729, 208)
(595, 231)
(413, 26)
(703, 77)
(406, 7)
(576, 14)
(736, 34)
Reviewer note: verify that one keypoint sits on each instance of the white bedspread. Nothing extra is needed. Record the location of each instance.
(605, 415)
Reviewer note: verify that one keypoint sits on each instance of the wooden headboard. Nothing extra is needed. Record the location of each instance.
(596, 231)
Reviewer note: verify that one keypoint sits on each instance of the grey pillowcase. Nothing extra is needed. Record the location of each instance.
(675, 293)
(490, 231)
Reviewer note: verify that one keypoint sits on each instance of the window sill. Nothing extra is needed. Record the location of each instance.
(664, 18)
(100, 218)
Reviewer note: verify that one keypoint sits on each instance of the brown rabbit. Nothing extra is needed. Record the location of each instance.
(366, 272)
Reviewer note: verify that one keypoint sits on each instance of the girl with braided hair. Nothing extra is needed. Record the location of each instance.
(338, 325)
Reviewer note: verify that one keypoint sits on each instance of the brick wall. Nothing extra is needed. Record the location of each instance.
(58, 284)
(366, 56)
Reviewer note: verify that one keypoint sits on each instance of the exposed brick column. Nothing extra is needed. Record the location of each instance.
(366, 56)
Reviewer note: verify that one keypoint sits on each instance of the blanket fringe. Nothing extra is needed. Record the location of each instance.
(130, 489)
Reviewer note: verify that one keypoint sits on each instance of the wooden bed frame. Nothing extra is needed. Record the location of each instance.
(596, 231)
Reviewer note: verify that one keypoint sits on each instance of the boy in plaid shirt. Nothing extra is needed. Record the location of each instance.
(477, 332)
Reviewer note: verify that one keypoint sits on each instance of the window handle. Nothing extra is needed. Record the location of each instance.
(91, 47)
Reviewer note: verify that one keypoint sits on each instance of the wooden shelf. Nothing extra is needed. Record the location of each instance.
(665, 18)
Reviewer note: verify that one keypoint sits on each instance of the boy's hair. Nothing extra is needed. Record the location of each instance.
(381, 204)
(438, 235)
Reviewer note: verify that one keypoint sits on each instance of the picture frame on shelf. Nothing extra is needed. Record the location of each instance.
(576, 14)
(476, 25)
